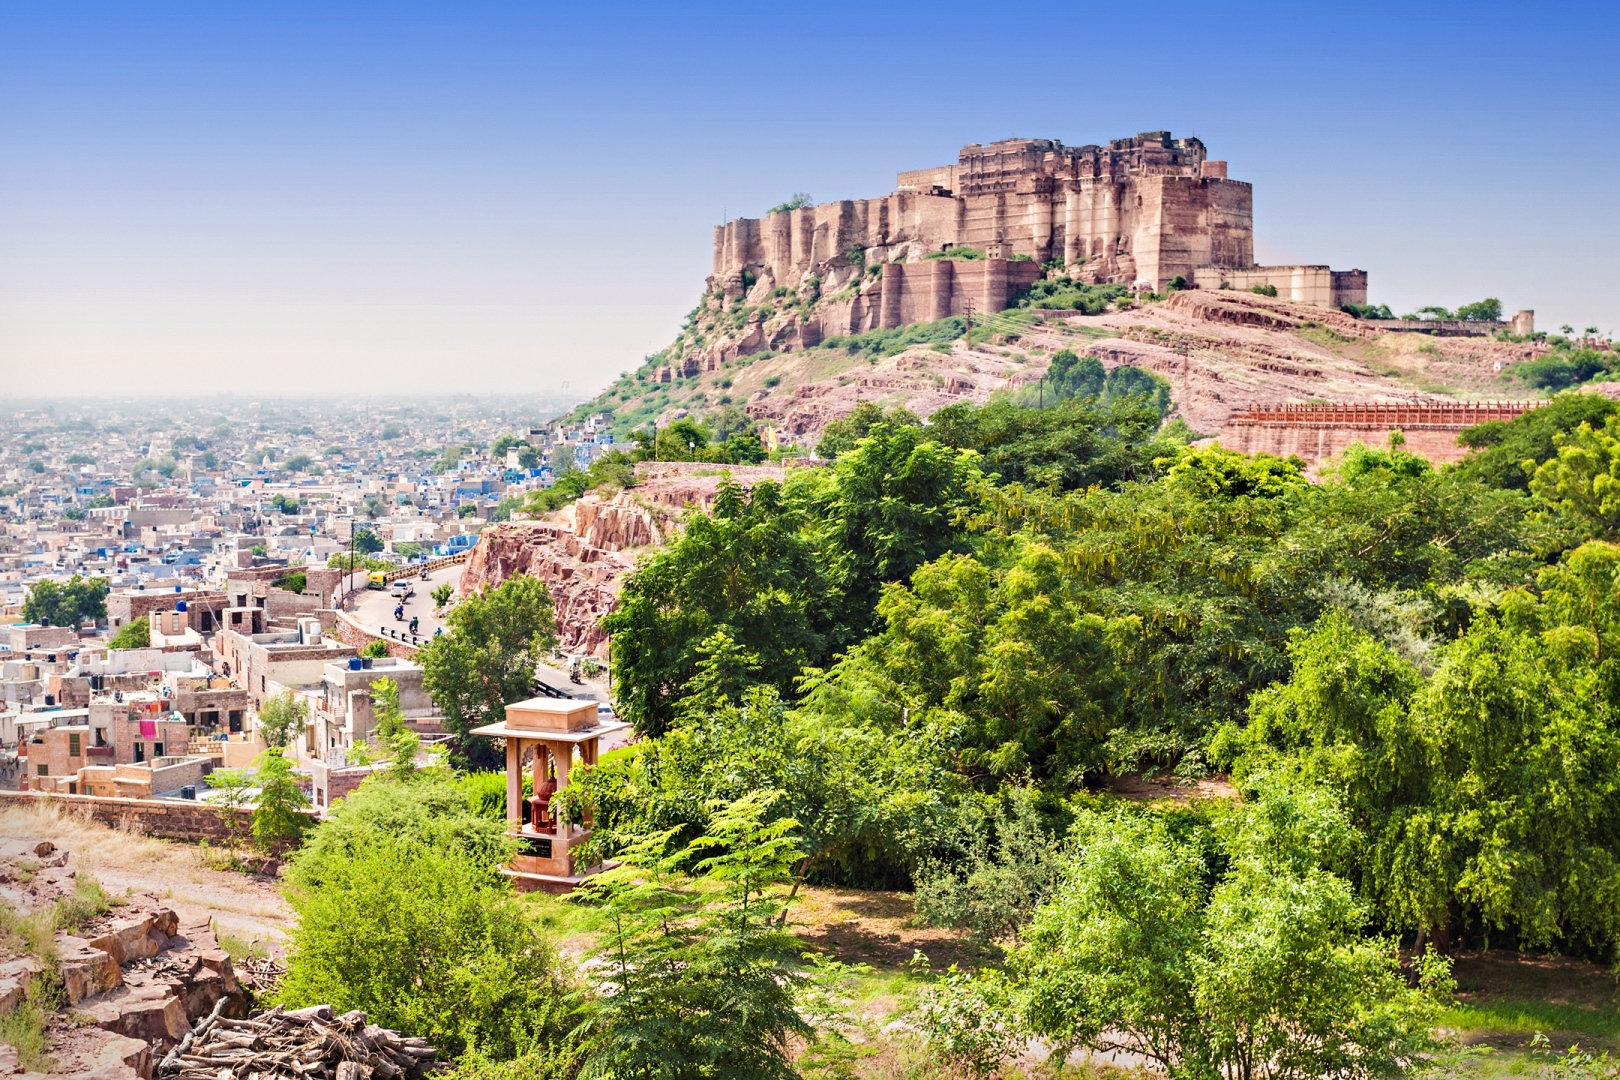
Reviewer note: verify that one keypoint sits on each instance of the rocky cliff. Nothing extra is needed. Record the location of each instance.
(583, 551)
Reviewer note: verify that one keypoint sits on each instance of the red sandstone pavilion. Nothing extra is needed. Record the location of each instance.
(1142, 211)
(547, 734)
(1318, 432)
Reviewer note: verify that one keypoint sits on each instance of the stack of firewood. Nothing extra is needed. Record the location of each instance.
(307, 1044)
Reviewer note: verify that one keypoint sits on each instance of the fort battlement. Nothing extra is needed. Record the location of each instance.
(1316, 432)
(1141, 211)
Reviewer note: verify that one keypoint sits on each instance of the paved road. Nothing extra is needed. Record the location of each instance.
(374, 609)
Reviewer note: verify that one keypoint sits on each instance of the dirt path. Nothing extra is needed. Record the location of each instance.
(241, 906)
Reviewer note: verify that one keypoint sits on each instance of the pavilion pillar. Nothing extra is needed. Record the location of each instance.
(514, 784)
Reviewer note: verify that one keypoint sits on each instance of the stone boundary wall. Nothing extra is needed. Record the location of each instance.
(1318, 432)
(350, 632)
(162, 818)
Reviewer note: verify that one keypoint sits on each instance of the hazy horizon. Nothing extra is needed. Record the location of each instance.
(408, 200)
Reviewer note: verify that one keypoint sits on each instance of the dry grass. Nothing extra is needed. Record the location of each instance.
(129, 862)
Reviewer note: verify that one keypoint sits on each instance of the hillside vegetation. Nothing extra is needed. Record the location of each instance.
(927, 666)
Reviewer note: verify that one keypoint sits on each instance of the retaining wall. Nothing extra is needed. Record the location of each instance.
(162, 818)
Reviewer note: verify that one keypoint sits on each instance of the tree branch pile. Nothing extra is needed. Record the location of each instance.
(306, 1044)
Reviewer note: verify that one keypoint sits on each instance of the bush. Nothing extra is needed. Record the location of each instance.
(1486, 310)
(890, 342)
(1264, 290)
(294, 581)
(421, 934)
(135, 634)
(1367, 311)
(961, 251)
(1064, 294)
(375, 650)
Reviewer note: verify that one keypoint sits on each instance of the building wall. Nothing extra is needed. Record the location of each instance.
(1316, 433)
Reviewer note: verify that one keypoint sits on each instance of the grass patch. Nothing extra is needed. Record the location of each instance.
(24, 1028)
(1528, 1017)
(88, 902)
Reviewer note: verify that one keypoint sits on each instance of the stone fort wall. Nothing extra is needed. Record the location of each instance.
(1143, 210)
(1316, 433)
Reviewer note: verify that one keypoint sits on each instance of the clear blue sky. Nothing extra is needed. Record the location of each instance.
(252, 196)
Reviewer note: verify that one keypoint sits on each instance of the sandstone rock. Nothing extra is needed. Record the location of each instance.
(15, 975)
(90, 1053)
(86, 971)
(137, 938)
(153, 1012)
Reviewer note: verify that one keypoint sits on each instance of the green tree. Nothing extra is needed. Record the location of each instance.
(842, 434)
(135, 634)
(277, 820)
(441, 594)
(385, 704)
(375, 649)
(69, 604)
(745, 570)
(1072, 445)
(401, 914)
(1486, 310)
(1265, 974)
(1583, 480)
(281, 718)
(487, 659)
(1507, 452)
(367, 542)
(696, 982)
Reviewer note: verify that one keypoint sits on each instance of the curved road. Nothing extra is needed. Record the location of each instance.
(374, 610)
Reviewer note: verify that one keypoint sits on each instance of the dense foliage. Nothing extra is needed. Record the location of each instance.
(488, 660)
(69, 604)
(917, 666)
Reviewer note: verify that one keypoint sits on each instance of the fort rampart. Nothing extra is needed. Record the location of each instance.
(1318, 432)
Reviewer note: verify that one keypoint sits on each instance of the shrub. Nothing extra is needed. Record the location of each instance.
(136, 634)
(961, 251)
(276, 817)
(1368, 311)
(423, 937)
(1264, 290)
(773, 380)
(1065, 294)
(1486, 310)
(375, 649)
(294, 581)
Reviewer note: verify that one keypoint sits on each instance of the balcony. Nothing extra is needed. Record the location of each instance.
(98, 751)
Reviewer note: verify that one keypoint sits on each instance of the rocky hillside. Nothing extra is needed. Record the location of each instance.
(583, 551)
(737, 362)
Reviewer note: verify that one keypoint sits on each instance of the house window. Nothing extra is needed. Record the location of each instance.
(157, 749)
(140, 751)
(75, 746)
(43, 770)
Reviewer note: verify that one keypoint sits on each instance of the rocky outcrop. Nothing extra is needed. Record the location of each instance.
(584, 551)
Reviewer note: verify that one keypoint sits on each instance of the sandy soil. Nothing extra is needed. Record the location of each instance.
(247, 907)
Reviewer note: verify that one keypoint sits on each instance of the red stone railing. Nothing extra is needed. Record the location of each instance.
(1369, 415)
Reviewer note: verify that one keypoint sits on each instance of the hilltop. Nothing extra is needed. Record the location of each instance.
(1221, 352)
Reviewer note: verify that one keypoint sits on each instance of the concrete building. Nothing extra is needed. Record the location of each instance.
(289, 657)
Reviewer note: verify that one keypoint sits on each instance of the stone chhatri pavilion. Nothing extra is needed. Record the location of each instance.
(546, 734)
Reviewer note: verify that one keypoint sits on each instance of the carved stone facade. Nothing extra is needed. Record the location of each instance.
(1140, 211)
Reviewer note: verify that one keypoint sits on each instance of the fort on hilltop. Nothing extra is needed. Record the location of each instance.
(1142, 212)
